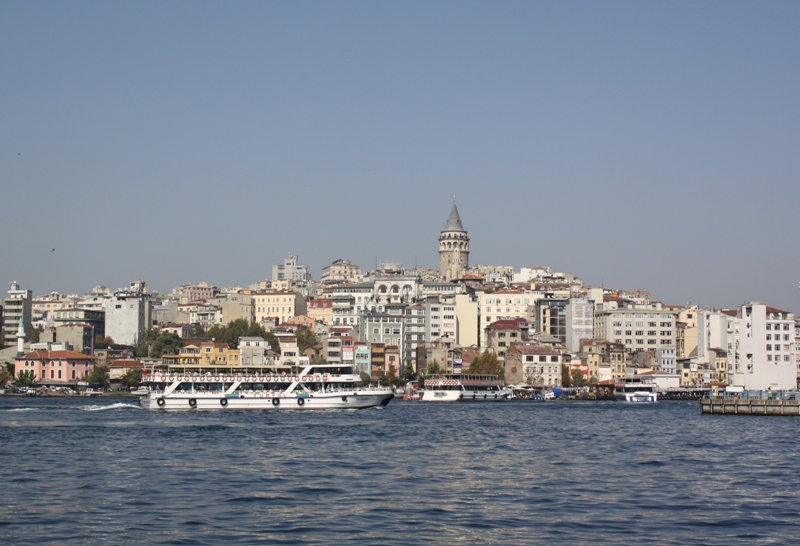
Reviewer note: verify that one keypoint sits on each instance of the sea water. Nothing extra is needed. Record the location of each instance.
(103, 471)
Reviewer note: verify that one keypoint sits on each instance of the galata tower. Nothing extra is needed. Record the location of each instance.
(453, 247)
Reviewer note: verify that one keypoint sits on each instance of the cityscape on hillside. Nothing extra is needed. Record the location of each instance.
(545, 328)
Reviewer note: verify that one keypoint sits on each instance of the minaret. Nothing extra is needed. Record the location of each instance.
(21, 339)
(453, 247)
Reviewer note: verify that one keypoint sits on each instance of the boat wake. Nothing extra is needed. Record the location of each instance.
(118, 405)
(24, 409)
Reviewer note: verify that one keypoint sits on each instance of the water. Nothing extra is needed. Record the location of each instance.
(102, 471)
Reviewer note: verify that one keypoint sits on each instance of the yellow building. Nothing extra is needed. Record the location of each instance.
(279, 305)
(321, 310)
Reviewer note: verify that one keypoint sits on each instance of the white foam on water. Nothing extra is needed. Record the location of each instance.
(118, 405)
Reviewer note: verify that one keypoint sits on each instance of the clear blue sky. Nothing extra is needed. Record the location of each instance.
(646, 145)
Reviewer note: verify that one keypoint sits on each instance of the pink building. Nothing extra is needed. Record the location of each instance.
(55, 366)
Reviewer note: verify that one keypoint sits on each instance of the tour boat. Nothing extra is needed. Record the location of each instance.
(467, 388)
(317, 386)
(636, 392)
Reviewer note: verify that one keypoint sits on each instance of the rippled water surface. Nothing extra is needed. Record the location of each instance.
(102, 471)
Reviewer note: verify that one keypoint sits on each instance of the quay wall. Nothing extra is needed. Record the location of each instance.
(749, 406)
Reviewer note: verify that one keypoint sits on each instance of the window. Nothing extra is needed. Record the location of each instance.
(651, 333)
(639, 332)
(554, 359)
(769, 346)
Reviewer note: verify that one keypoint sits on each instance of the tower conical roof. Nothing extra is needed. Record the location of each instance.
(454, 220)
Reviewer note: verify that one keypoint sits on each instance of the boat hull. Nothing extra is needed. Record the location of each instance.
(434, 395)
(639, 397)
(265, 401)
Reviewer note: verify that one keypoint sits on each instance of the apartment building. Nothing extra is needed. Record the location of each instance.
(279, 305)
(638, 328)
(17, 306)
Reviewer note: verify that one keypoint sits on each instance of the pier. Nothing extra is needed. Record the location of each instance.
(750, 406)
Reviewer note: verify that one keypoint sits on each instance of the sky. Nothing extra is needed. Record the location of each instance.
(639, 145)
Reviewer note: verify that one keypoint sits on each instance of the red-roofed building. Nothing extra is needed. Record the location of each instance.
(55, 367)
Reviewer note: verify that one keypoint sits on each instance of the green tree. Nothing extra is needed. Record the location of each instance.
(578, 379)
(98, 377)
(5, 376)
(166, 343)
(143, 350)
(306, 338)
(197, 331)
(132, 377)
(151, 334)
(26, 378)
(231, 333)
(487, 364)
(100, 340)
(391, 379)
(365, 378)
(434, 368)
(36, 334)
(566, 380)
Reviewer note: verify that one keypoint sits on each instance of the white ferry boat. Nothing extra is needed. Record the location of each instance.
(467, 388)
(636, 392)
(317, 386)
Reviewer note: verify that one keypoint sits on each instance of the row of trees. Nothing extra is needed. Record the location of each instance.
(574, 379)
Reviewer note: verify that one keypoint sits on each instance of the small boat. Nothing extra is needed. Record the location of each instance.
(92, 392)
(140, 391)
(640, 393)
(317, 386)
(466, 388)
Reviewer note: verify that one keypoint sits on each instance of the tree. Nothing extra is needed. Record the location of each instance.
(487, 364)
(305, 338)
(566, 380)
(231, 333)
(578, 379)
(98, 377)
(26, 378)
(391, 378)
(100, 340)
(166, 342)
(36, 334)
(132, 377)
(197, 331)
(151, 334)
(365, 378)
(531, 376)
(5, 376)
(143, 350)
(434, 368)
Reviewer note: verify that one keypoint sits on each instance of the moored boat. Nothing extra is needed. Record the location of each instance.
(636, 392)
(316, 386)
(467, 388)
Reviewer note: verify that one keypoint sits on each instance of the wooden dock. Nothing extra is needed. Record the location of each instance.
(749, 406)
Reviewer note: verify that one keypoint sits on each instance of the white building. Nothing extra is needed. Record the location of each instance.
(579, 322)
(766, 354)
(290, 270)
(17, 306)
(341, 271)
(128, 314)
(253, 351)
(637, 327)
